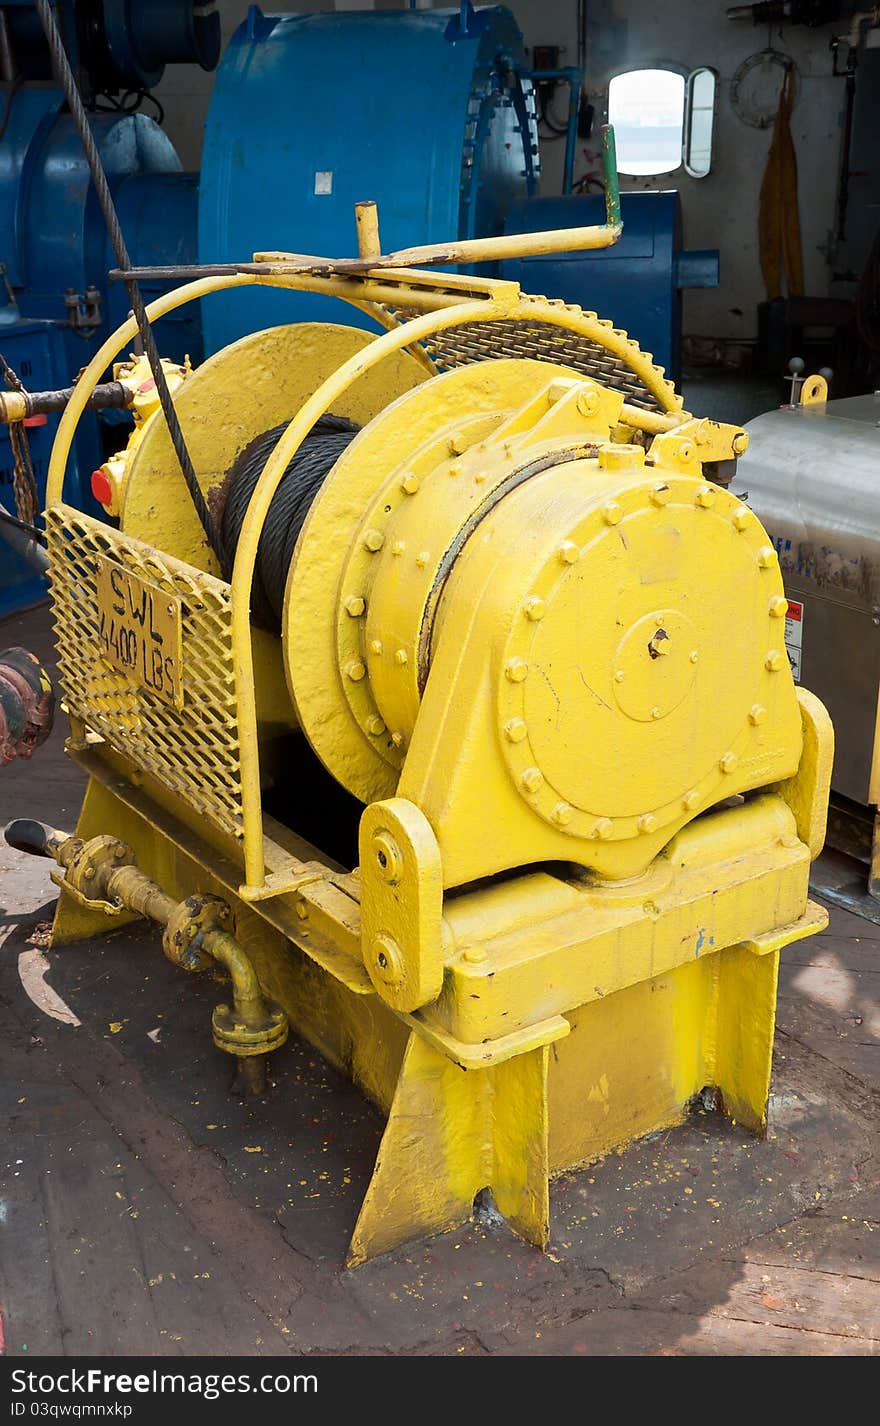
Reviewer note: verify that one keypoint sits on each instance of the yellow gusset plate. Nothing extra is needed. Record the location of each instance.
(139, 630)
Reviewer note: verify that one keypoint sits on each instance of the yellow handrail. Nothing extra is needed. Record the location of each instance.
(445, 310)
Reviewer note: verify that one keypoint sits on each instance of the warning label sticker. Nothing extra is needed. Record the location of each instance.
(794, 636)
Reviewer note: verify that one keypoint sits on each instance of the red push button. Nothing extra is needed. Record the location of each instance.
(101, 487)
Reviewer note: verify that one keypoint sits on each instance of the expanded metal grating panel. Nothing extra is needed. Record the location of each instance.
(193, 750)
(541, 341)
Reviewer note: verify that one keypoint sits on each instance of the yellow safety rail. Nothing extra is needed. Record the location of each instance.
(444, 301)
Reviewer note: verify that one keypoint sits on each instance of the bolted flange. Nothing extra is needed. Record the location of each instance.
(243, 1040)
(187, 925)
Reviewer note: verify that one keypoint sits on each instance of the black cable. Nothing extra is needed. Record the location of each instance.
(129, 103)
(102, 188)
(300, 483)
(7, 107)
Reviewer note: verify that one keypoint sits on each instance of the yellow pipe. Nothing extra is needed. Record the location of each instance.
(367, 219)
(391, 323)
(655, 423)
(247, 996)
(471, 250)
(137, 892)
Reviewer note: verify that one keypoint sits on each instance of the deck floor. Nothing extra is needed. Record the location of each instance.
(146, 1211)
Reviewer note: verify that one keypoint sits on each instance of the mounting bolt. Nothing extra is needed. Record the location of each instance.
(647, 822)
(740, 443)
(691, 799)
(588, 403)
(694, 655)
(562, 814)
(375, 646)
(398, 739)
(568, 552)
(375, 726)
(534, 607)
(373, 541)
(778, 606)
(355, 670)
(603, 829)
(656, 711)
(389, 857)
(475, 955)
(766, 557)
(401, 657)
(354, 606)
(301, 908)
(619, 675)
(456, 468)
(516, 670)
(457, 444)
(728, 762)
(388, 960)
(757, 714)
(422, 558)
(398, 548)
(532, 779)
(612, 513)
(410, 483)
(705, 496)
(515, 730)
(741, 517)
(774, 661)
(661, 495)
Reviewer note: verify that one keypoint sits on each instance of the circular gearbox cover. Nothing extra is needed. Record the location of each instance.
(645, 674)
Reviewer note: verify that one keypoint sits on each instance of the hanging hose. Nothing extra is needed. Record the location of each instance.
(23, 538)
(300, 483)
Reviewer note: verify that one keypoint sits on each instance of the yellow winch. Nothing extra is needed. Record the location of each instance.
(524, 624)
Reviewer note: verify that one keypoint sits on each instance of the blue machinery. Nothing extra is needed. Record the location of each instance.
(640, 279)
(430, 113)
(55, 301)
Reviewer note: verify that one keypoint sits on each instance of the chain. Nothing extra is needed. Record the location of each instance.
(24, 481)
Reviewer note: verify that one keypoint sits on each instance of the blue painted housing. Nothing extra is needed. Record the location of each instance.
(52, 242)
(637, 282)
(313, 113)
(34, 351)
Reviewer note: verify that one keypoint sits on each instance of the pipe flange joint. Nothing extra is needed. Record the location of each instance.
(89, 865)
(236, 1038)
(188, 924)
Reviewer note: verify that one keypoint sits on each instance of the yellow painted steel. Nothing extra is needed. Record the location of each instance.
(547, 652)
(137, 377)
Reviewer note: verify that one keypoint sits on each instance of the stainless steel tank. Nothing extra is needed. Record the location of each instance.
(812, 475)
